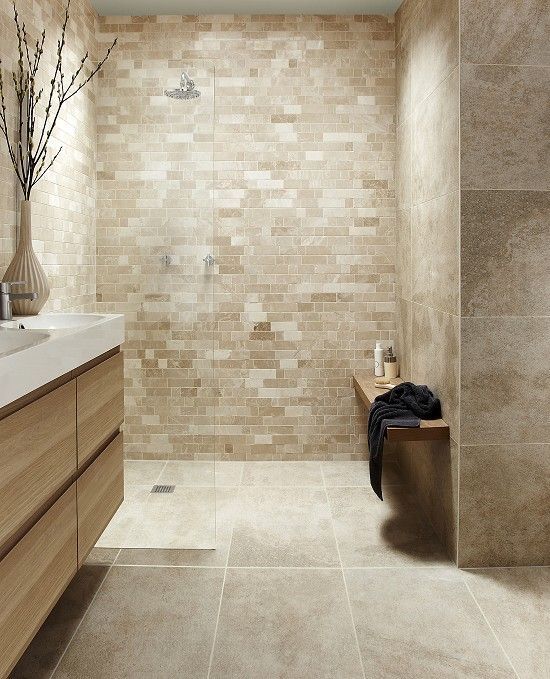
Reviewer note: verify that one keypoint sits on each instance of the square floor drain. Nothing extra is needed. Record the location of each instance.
(162, 489)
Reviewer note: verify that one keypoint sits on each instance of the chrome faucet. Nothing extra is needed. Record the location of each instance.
(7, 296)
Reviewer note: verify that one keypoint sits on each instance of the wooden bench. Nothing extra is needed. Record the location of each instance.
(429, 430)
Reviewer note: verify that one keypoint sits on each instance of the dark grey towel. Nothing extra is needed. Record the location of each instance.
(403, 406)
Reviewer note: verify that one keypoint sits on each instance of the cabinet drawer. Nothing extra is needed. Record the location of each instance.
(33, 576)
(100, 491)
(37, 456)
(100, 405)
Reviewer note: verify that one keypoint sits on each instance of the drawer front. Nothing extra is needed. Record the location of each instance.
(100, 406)
(100, 491)
(37, 456)
(33, 576)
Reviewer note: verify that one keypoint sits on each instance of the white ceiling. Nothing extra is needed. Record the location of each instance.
(145, 7)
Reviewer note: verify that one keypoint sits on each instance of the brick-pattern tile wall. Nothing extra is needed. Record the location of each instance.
(63, 202)
(284, 170)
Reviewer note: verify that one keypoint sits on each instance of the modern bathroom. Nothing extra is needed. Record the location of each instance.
(274, 339)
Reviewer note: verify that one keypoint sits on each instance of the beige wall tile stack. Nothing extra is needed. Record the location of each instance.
(427, 239)
(302, 228)
(473, 275)
(63, 202)
(505, 251)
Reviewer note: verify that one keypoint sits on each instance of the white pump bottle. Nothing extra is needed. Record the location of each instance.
(379, 360)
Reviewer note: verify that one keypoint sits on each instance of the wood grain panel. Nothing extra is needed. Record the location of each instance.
(100, 405)
(429, 430)
(37, 456)
(100, 491)
(33, 576)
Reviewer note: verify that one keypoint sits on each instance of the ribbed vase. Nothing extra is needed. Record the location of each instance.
(25, 267)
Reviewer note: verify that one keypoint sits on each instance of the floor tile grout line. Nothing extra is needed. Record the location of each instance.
(211, 659)
(490, 627)
(168, 565)
(489, 568)
(344, 578)
(296, 568)
(73, 635)
(266, 486)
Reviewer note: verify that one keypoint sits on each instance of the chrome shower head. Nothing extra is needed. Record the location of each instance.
(186, 89)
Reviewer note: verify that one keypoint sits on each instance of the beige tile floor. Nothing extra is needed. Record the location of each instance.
(312, 577)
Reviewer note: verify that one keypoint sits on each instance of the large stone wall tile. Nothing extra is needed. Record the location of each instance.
(505, 251)
(435, 354)
(505, 127)
(435, 147)
(496, 32)
(435, 258)
(435, 41)
(504, 500)
(505, 381)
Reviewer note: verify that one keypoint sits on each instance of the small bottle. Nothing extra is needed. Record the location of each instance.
(391, 367)
(379, 360)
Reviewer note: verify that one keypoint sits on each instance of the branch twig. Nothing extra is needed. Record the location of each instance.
(30, 158)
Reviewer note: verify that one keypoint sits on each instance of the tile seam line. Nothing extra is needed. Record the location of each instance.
(158, 565)
(442, 566)
(229, 568)
(505, 65)
(502, 317)
(414, 205)
(52, 675)
(491, 628)
(343, 576)
(435, 308)
(427, 306)
(215, 636)
(447, 75)
(508, 190)
(504, 443)
(487, 568)
(460, 294)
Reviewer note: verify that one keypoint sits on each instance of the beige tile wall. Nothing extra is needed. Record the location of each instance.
(64, 201)
(473, 279)
(302, 229)
(505, 250)
(427, 240)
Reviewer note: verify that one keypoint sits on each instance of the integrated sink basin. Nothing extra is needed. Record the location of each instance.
(35, 350)
(14, 340)
(54, 321)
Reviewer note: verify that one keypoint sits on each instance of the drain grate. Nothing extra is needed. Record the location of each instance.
(162, 489)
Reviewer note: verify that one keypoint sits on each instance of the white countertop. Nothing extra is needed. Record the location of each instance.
(52, 351)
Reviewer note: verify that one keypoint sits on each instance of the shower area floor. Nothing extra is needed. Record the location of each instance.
(183, 518)
(312, 577)
(263, 503)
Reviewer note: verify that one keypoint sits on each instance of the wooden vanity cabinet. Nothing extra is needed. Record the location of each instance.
(61, 481)
(37, 457)
(100, 490)
(100, 405)
(33, 576)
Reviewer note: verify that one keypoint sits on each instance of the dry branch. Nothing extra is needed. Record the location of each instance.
(28, 145)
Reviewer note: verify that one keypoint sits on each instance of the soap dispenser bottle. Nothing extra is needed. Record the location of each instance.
(391, 367)
(379, 360)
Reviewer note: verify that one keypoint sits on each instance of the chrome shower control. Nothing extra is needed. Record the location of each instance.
(208, 260)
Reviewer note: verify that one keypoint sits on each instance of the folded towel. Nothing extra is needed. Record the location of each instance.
(403, 406)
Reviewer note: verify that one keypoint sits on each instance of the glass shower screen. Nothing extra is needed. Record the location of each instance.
(168, 272)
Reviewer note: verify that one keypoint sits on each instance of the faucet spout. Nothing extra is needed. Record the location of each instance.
(23, 295)
(7, 296)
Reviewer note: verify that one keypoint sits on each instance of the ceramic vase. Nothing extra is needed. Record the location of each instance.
(25, 267)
